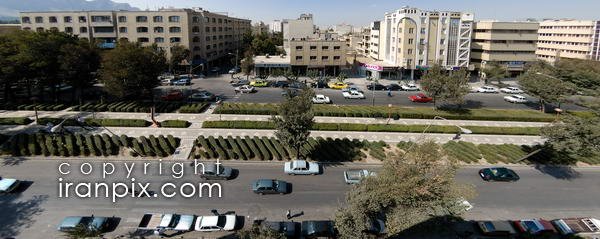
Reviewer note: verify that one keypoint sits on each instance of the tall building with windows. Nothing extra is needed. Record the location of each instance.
(411, 38)
(509, 44)
(209, 36)
(568, 39)
(374, 40)
(276, 26)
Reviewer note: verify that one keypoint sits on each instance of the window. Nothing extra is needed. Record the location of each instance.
(298, 48)
(214, 20)
(142, 29)
(207, 38)
(143, 39)
(196, 39)
(409, 51)
(52, 20)
(196, 48)
(214, 38)
(325, 48)
(206, 19)
(82, 19)
(83, 29)
(313, 48)
(336, 57)
(220, 29)
(441, 52)
(214, 29)
(141, 19)
(67, 19)
(157, 19)
(25, 20)
(410, 41)
(336, 48)
(207, 29)
(207, 47)
(104, 29)
(411, 30)
(174, 19)
(325, 58)
(313, 58)
(159, 40)
(159, 30)
(196, 19)
(122, 30)
(174, 29)
(220, 20)
(100, 18)
(423, 30)
(39, 20)
(196, 29)
(442, 41)
(39, 29)
(122, 19)
(175, 39)
(298, 58)
(422, 41)
(55, 29)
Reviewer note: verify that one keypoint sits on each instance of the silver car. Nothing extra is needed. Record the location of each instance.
(354, 176)
(216, 172)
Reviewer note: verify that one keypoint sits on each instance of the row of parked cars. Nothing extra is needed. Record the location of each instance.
(541, 228)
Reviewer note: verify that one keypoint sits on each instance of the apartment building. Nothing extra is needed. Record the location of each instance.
(509, 44)
(209, 36)
(413, 39)
(302, 27)
(327, 55)
(343, 29)
(568, 39)
(276, 26)
(374, 40)
(260, 28)
(364, 43)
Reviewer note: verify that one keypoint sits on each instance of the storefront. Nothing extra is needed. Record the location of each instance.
(377, 71)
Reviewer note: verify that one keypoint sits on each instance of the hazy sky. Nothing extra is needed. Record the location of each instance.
(360, 13)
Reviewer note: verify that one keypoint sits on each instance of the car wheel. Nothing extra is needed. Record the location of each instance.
(261, 193)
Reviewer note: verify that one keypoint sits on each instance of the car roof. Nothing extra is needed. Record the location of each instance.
(500, 226)
(265, 182)
(71, 221)
(209, 220)
(5, 183)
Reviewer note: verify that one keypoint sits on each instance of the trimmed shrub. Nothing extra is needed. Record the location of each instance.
(235, 148)
(138, 150)
(125, 141)
(271, 149)
(15, 121)
(100, 145)
(147, 148)
(117, 122)
(50, 145)
(174, 142)
(205, 145)
(225, 146)
(175, 124)
(242, 144)
(280, 149)
(162, 141)
(155, 145)
(263, 150)
(253, 148)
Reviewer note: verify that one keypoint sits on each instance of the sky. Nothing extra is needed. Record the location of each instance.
(362, 12)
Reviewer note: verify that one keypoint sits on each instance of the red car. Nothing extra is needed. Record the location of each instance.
(421, 98)
(173, 96)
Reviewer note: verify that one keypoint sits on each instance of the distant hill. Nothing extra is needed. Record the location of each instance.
(11, 8)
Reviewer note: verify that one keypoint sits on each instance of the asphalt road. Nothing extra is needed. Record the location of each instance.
(220, 86)
(36, 211)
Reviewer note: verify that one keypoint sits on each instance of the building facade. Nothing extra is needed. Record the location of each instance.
(276, 26)
(509, 44)
(326, 55)
(374, 40)
(412, 39)
(303, 27)
(343, 29)
(568, 39)
(209, 36)
(260, 28)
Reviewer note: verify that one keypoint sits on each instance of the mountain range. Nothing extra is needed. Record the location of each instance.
(11, 8)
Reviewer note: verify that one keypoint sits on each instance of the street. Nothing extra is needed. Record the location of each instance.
(35, 212)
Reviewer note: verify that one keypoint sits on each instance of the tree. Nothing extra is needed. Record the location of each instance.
(584, 74)
(540, 81)
(342, 77)
(494, 71)
(81, 231)
(247, 64)
(295, 120)
(443, 87)
(410, 188)
(313, 74)
(575, 136)
(258, 232)
(131, 70)
(178, 54)
(77, 62)
(10, 71)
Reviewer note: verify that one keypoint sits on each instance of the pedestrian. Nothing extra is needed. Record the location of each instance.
(389, 92)
(288, 214)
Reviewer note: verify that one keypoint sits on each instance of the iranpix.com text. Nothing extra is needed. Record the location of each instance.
(126, 185)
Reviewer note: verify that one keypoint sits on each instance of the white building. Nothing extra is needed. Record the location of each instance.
(276, 26)
(343, 29)
(568, 39)
(303, 27)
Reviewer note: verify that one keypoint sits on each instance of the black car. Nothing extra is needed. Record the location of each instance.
(319, 84)
(288, 229)
(270, 186)
(280, 84)
(314, 229)
(375, 86)
(394, 87)
(498, 174)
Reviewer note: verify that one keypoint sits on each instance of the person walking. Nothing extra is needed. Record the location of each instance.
(288, 214)
(389, 92)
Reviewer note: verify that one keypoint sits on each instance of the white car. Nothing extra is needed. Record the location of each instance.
(519, 99)
(353, 95)
(8, 185)
(511, 90)
(245, 89)
(321, 99)
(354, 176)
(215, 223)
(352, 88)
(301, 167)
(487, 89)
(409, 87)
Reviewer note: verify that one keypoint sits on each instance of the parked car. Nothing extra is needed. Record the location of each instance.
(534, 227)
(8, 185)
(321, 99)
(167, 81)
(375, 86)
(498, 174)
(234, 70)
(496, 228)
(301, 167)
(173, 222)
(511, 90)
(393, 87)
(280, 84)
(259, 83)
(410, 87)
(202, 96)
(270, 186)
(216, 172)
(314, 229)
(354, 176)
(288, 229)
(319, 84)
(215, 223)
(173, 96)
(337, 85)
(353, 95)
(245, 89)
(517, 99)
(352, 88)
(375, 227)
(239, 82)
(88, 222)
(182, 82)
(486, 89)
(420, 98)
(583, 227)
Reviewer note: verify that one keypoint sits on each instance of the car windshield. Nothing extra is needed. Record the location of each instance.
(530, 226)
(221, 221)
(499, 171)
(175, 220)
(490, 226)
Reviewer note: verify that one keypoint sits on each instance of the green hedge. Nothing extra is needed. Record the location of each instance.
(193, 108)
(379, 127)
(396, 112)
(15, 121)
(40, 107)
(175, 124)
(134, 106)
(117, 122)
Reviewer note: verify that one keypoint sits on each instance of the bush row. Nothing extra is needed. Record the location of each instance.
(194, 108)
(394, 112)
(134, 106)
(15, 121)
(114, 122)
(378, 127)
(264, 148)
(40, 107)
(67, 145)
(175, 124)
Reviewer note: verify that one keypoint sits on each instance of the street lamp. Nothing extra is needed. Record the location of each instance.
(456, 137)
